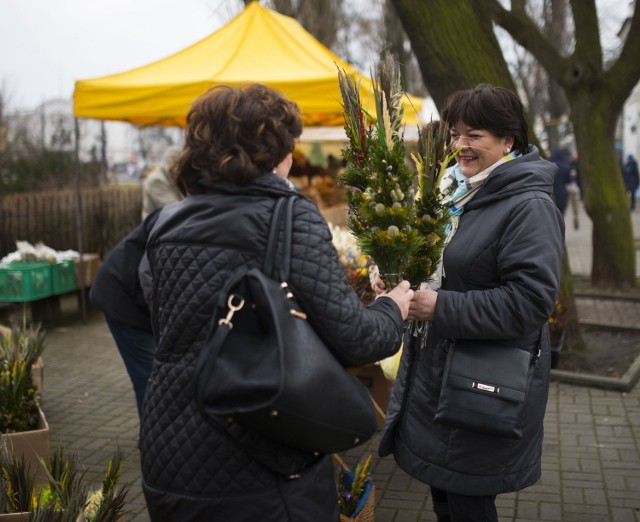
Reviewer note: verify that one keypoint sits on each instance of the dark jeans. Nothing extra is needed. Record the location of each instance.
(137, 349)
(462, 508)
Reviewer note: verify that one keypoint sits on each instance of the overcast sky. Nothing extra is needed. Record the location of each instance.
(46, 45)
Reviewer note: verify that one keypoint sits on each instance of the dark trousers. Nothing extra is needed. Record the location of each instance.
(450, 507)
(137, 349)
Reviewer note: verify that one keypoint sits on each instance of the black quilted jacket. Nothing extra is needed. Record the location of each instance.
(191, 470)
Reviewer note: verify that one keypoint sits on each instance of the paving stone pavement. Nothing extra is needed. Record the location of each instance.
(591, 458)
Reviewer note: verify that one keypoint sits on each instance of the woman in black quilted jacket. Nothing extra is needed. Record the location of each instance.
(233, 169)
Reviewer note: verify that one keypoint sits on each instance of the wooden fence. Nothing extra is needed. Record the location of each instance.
(108, 214)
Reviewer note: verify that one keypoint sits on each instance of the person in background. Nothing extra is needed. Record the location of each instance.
(562, 179)
(575, 175)
(118, 293)
(631, 178)
(158, 188)
(500, 281)
(233, 169)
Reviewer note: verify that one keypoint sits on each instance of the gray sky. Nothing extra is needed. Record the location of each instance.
(49, 44)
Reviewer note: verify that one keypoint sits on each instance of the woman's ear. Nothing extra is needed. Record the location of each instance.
(283, 168)
(508, 144)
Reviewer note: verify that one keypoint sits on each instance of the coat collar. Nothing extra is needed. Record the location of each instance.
(266, 184)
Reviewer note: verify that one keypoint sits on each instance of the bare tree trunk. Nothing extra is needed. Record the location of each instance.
(604, 193)
(455, 48)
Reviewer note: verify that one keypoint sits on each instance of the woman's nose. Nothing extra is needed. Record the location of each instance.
(461, 141)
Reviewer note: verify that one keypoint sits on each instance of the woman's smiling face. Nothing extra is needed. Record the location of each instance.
(479, 148)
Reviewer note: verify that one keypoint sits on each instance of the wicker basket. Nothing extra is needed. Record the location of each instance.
(367, 513)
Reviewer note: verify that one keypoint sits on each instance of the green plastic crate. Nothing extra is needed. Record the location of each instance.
(25, 282)
(63, 277)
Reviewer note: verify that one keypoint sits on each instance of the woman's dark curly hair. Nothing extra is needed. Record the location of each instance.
(491, 108)
(236, 134)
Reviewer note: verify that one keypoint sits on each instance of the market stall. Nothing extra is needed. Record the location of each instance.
(259, 45)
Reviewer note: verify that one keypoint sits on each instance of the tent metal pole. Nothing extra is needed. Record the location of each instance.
(79, 229)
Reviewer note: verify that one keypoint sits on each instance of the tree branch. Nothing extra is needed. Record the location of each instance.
(623, 75)
(587, 31)
(525, 32)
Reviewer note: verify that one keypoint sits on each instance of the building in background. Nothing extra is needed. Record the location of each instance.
(126, 150)
(631, 110)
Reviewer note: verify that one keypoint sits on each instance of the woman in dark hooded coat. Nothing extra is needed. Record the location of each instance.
(501, 272)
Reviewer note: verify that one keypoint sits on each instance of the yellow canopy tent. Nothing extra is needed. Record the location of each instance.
(259, 45)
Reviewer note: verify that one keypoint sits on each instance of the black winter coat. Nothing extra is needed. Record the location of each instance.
(562, 179)
(193, 471)
(502, 274)
(116, 289)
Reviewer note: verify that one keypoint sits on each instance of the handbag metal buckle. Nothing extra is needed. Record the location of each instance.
(233, 308)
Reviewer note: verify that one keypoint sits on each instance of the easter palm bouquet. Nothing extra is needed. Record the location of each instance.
(397, 213)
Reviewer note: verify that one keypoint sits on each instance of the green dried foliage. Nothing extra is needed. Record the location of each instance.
(396, 213)
(65, 497)
(18, 483)
(67, 489)
(350, 490)
(18, 395)
(110, 505)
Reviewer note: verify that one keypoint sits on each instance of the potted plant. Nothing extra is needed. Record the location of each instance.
(107, 503)
(30, 342)
(23, 426)
(64, 498)
(17, 486)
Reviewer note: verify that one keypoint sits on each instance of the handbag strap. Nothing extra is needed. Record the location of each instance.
(282, 219)
(282, 216)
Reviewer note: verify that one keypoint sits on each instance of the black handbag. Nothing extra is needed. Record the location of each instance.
(265, 367)
(484, 388)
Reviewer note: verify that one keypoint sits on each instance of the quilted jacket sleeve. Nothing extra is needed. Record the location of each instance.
(357, 334)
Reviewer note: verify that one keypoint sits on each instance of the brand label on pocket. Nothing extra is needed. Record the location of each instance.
(485, 387)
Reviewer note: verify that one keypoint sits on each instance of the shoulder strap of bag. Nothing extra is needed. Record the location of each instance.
(282, 214)
(282, 219)
(272, 240)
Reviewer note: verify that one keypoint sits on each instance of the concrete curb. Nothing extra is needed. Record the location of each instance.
(623, 384)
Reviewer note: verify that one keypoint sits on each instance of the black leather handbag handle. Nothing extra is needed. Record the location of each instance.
(282, 218)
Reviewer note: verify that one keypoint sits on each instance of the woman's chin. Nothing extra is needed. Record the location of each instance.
(469, 170)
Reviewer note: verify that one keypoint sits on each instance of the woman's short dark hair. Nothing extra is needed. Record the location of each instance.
(492, 108)
(236, 134)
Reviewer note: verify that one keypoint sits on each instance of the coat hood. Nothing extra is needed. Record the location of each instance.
(524, 173)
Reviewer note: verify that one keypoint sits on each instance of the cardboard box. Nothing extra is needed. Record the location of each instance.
(14, 517)
(89, 264)
(379, 387)
(31, 445)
